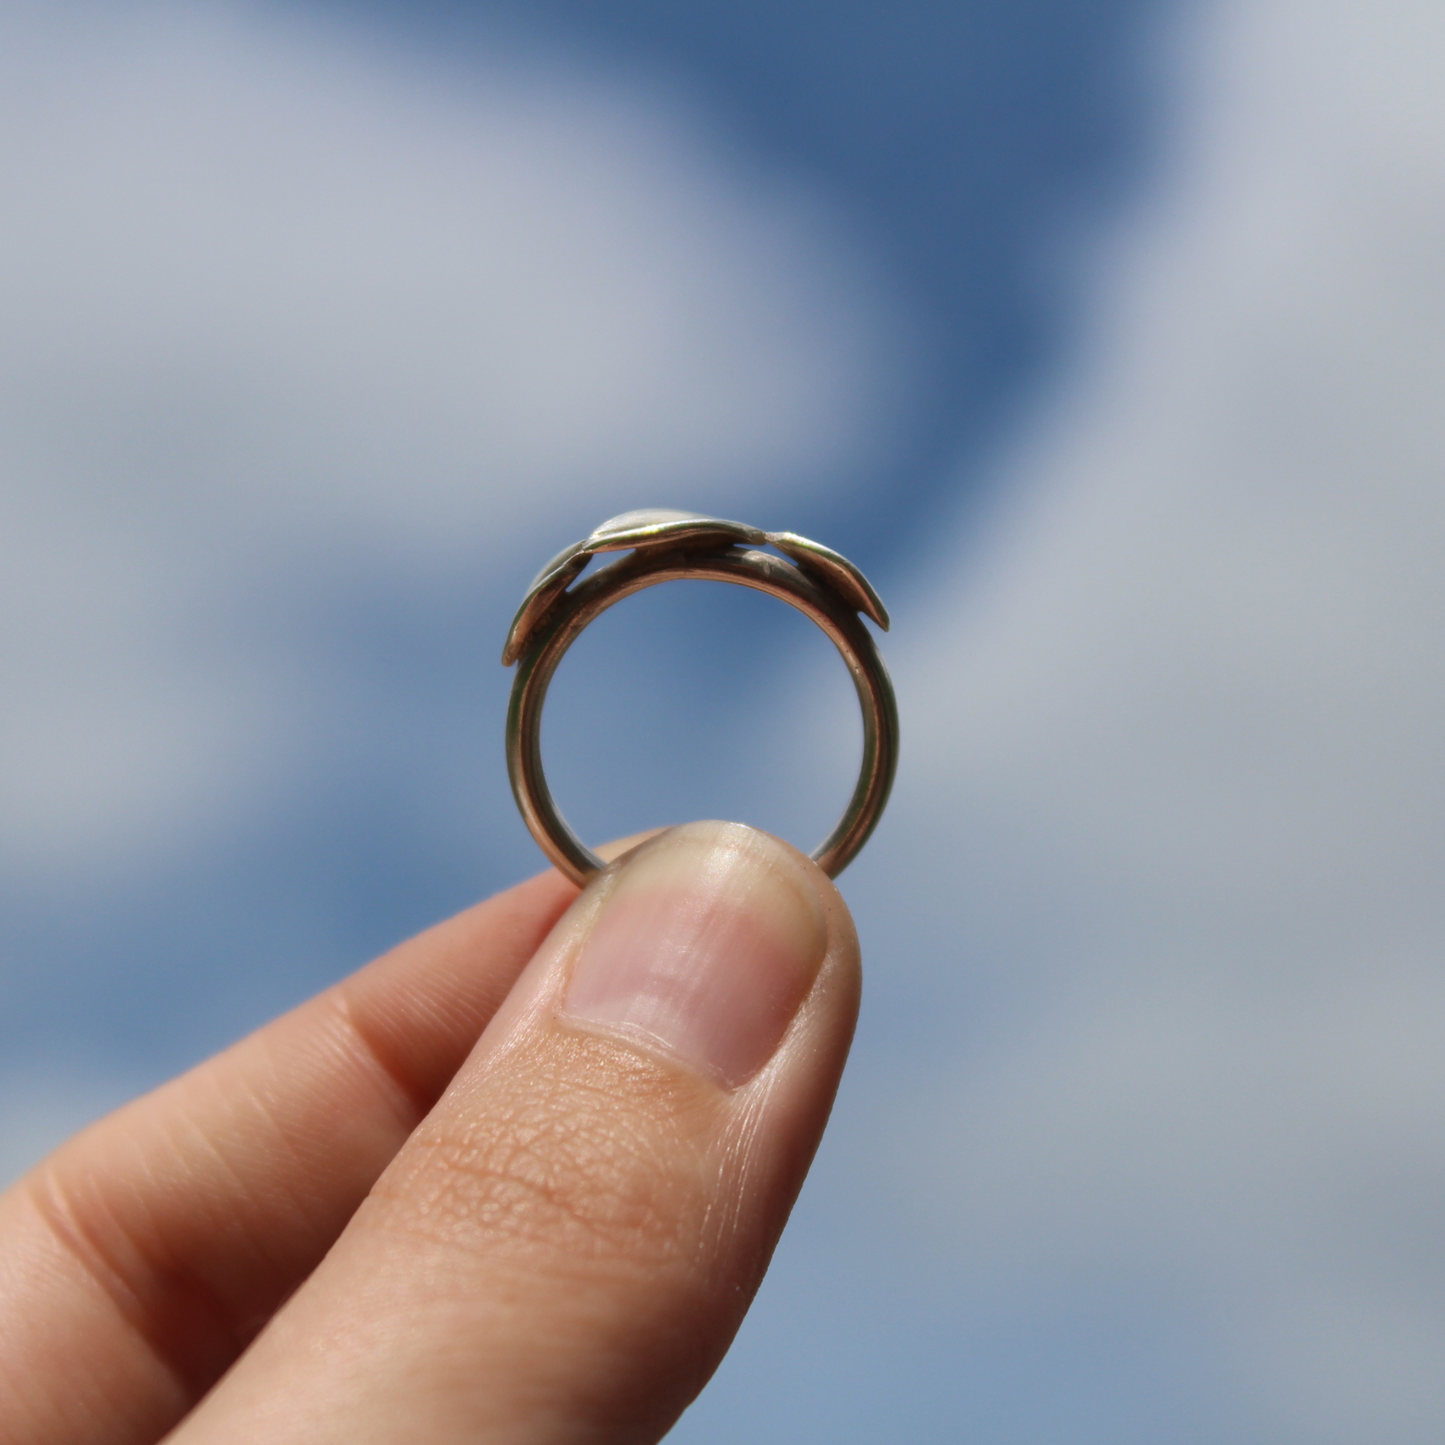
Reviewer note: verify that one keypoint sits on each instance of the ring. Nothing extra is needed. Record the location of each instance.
(668, 546)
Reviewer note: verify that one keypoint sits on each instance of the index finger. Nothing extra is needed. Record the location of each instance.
(139, 1260)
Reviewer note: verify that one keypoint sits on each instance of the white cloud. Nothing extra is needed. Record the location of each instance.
(1176, 736)
(285, 310)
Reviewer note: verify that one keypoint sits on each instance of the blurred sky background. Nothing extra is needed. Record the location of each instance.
(1108, 338)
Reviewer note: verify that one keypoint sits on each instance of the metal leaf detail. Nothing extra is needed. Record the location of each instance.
(656, 528)
(835, 571)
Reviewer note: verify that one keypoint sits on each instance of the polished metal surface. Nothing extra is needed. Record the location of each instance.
(670, 546)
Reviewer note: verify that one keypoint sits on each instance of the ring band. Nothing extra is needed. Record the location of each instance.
(667, 546)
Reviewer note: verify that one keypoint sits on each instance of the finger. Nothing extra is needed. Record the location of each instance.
(564, 1248)
(154, 1245)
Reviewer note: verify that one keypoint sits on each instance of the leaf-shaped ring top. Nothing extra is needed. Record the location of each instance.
(666, 545)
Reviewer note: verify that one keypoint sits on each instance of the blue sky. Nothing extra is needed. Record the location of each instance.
(962, 149)
(1106, 338)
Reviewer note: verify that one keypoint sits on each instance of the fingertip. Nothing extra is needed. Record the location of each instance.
(577, 1228)
(707, 941)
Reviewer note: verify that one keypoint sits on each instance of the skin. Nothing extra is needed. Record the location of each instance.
(504, 1184)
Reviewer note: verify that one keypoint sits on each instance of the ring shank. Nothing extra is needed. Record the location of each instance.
(759, 570)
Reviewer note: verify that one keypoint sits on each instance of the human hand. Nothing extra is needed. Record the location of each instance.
(516, 1181)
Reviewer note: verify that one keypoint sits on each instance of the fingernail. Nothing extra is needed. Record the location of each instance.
(703, 949)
